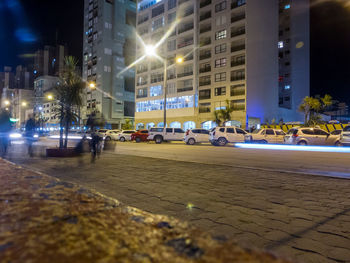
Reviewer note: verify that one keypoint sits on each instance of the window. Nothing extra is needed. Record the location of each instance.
(240, 131)
(220, 77)
(280, 44)
(287, 87)
(172, 45)
(204, 131)
(171, 88)
(156, 130)
(171, 17)
(108, 51)
(221, 20)
(171, 4)
(222, 130)
(270, 132)
(204, 107)
(221, 6)
(177, 130)
(158, 10)
(237, 75)
(158, 23)
(220, 48)
(320, 132)
(221, 34)
(204, 94)
(280, 133)
(220, 91)
(308, 131)
(220, 62)
(156, 91)
(230, 130)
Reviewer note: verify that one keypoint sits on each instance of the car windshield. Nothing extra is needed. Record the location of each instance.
(347, 128)
(256, 131)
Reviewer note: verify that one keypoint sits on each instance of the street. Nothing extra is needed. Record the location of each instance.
(265, 199)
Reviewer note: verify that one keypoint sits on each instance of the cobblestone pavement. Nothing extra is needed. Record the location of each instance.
(303, 217)
(48, 220)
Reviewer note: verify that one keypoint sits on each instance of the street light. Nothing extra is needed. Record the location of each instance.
(24, 104)
(150, 51)
(92, 85)
(7, 102)
(49, 97)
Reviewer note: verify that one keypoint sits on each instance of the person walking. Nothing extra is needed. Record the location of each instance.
(29, 135)
(5, 128)
(95, 145)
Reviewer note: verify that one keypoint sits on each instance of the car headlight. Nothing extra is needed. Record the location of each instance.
(36, 136)
(15, 135)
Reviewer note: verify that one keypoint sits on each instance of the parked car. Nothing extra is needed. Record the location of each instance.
(112, 135)
(140, 136)
(165, 134)
(196, 136)
(102, 132)
(125, 135)
(345, 136)
(220, 136)
(265, 136)
(310, 136)
(336, 132)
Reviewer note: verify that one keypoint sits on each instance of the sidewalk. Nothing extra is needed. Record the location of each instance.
(46, 220)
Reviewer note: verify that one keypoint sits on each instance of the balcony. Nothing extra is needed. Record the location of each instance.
(185, 74)
(185, 28)
(188, 12)
(238, 32)
(143, 20)
(204, 56)
(188, 57)
(205, 29)
(182, 1)
(204, 110)
(204, 97)
(139, 96)
(185, 44)
(204, 70)
(141, 83)
(237, 48)
(236, 4)
(238, 107)
(142, 70)
(171, 76)
(237, 92)
(185, 89)
(205, 16)
(204, 83)
(204, 3)
(237, 63)
(205, 42)
(237, 18)
(237, 78)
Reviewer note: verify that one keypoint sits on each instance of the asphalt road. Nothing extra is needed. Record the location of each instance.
(249, 195)
(317, 163)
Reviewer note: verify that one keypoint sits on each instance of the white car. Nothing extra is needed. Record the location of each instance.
(165, 134)
(220, 136)
(310, 136)
(345, 136)
(266, 136)
(196, 136)
(125, 135)
(112, 135)
(101, 132)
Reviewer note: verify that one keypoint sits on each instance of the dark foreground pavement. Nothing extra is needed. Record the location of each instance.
(303, 217)
(46, 220)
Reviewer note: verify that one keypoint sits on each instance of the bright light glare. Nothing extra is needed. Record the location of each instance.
(15, 135)
(24, 103)
(7, 102)
(69, 137)
(150, 51)
(92, 85)
(293, 148)
(180, 60)
(50, 97)
(36, 136)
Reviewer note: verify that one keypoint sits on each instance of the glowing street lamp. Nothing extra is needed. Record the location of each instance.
(24, 104)
(92, 85)
(7, 102)
(49, 97)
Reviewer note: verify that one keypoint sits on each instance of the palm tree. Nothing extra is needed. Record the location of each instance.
(128, 125)
(217, 118)
(226, 112)
(68, 93)
(312, 107)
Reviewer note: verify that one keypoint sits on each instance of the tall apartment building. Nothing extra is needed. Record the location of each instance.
(49, 61)
(109, 47)
(233, 51)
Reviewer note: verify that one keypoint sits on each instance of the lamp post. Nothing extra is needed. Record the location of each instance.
(151, 52)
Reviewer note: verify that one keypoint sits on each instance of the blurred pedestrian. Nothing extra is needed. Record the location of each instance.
(5, 128)
(95, 145)
(29, 135)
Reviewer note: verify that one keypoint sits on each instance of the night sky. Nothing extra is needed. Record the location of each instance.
(27, 25)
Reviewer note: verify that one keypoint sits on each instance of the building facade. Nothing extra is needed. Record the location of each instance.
(109, 47)
(49, 61)
(232, 52)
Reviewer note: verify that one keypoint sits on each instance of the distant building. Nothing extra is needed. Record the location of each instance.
(7, 82)
(253, 53)
(109, 47)
(49, 61)
(24, 78)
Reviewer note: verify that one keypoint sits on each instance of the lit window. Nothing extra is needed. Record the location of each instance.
(287, 6)
(156, 91)
(221, 34)
(287, 87)
(220, 62)
(280, 44)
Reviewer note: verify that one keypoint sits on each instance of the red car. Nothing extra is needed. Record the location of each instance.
(140, 136)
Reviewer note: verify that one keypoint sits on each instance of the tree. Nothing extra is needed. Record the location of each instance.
(68, 92)
(312, 107)
(223, 115)
(128, 125)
